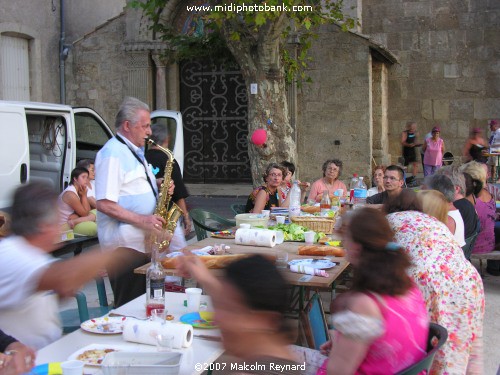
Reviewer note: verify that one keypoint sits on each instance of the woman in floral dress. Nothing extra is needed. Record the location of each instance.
(451, 286)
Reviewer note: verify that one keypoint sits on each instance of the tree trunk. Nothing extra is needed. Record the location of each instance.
(268, 110)
(259, 61)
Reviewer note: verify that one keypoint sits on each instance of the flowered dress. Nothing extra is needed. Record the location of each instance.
(451, 286)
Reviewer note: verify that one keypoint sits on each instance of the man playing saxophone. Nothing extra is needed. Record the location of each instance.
(126, 194)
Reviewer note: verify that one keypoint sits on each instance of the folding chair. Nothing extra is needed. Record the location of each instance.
(435, 331)
(313, 322)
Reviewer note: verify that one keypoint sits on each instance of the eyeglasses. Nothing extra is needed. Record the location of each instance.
(275, 175)
(391, 178)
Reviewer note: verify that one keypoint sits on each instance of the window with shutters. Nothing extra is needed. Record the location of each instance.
(14, 65)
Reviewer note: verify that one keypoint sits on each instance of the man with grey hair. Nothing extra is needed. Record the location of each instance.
(444, 185)
(126, 193)
(464, 206)
(29, 275)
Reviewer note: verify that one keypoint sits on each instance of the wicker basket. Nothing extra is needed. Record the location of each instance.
(317, 224)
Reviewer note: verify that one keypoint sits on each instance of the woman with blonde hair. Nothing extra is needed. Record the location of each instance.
(434, 204)
(485, 207)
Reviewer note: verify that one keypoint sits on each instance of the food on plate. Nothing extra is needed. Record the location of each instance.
(169, 317)
(94, 356)
(321, 250)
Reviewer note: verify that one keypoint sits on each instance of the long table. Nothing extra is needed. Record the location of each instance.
(295, 279)
(201, 351)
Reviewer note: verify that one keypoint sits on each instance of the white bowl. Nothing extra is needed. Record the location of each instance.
(252, 219)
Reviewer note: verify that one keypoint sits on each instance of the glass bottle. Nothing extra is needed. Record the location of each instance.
(155, 284)
(325, 204)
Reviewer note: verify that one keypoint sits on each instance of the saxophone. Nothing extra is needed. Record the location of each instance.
(171, 216)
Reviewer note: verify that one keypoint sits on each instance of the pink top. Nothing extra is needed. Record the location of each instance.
(434, 153)
(403, 341)
(485, 241)
(319, 186)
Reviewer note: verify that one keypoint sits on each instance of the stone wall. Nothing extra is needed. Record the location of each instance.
(96, 73)
(82, 17)
(39, 23)
(449, 70)
(336, 106)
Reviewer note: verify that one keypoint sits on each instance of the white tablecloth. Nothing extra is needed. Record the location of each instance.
(202, 351)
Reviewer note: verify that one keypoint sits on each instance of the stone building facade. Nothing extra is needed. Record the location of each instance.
(30, 34)
(432, 61)
(449, 64)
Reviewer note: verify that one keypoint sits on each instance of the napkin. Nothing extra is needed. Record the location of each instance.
(308, 270)
(145, 332)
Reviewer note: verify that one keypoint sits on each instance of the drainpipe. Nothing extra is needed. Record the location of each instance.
(63, 53)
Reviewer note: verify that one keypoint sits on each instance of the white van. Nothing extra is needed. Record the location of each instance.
(41, 141)
(173, 120)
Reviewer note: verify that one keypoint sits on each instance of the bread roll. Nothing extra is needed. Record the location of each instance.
(321, 250)
(211, 261)
(310, 209)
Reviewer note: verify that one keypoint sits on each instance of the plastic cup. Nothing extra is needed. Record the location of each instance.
(280, 219)
(164, 342)
(245, 225)
(309, 237)
(280, 237)
(72, 367)
(158, 315)
(266, 213)
(281, 259)
(193, 296)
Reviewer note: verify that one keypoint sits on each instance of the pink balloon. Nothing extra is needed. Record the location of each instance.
(259, 137)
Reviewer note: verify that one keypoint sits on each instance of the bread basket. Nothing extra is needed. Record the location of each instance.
(317, 224)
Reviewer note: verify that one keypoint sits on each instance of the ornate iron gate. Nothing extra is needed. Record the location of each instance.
(215, 113)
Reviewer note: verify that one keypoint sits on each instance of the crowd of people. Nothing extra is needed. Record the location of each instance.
(406, 250)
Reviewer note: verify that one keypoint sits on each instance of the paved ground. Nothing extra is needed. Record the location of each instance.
(217, 198)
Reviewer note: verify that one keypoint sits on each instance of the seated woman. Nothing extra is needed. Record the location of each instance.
(378, 181)
(455, 222)
(249, 302)
(451, 286)
(286, 185)
(434, 204)
(332, 170)
(485, 207)
(88, 164)
(74, 207)
(266, 196)
(384, 309)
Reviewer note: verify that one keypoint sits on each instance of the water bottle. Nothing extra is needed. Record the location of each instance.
(360, 192)
(352, 185)
(295, 194)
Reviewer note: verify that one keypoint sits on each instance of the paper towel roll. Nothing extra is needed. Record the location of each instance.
(255, 237)
(145, 332)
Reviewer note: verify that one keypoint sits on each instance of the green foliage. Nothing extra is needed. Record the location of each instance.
(251, 22)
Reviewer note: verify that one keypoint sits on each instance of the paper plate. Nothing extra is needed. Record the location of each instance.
(105, 325)
(320, 264)
(202, 319)
(93, 354)
(229, 234)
